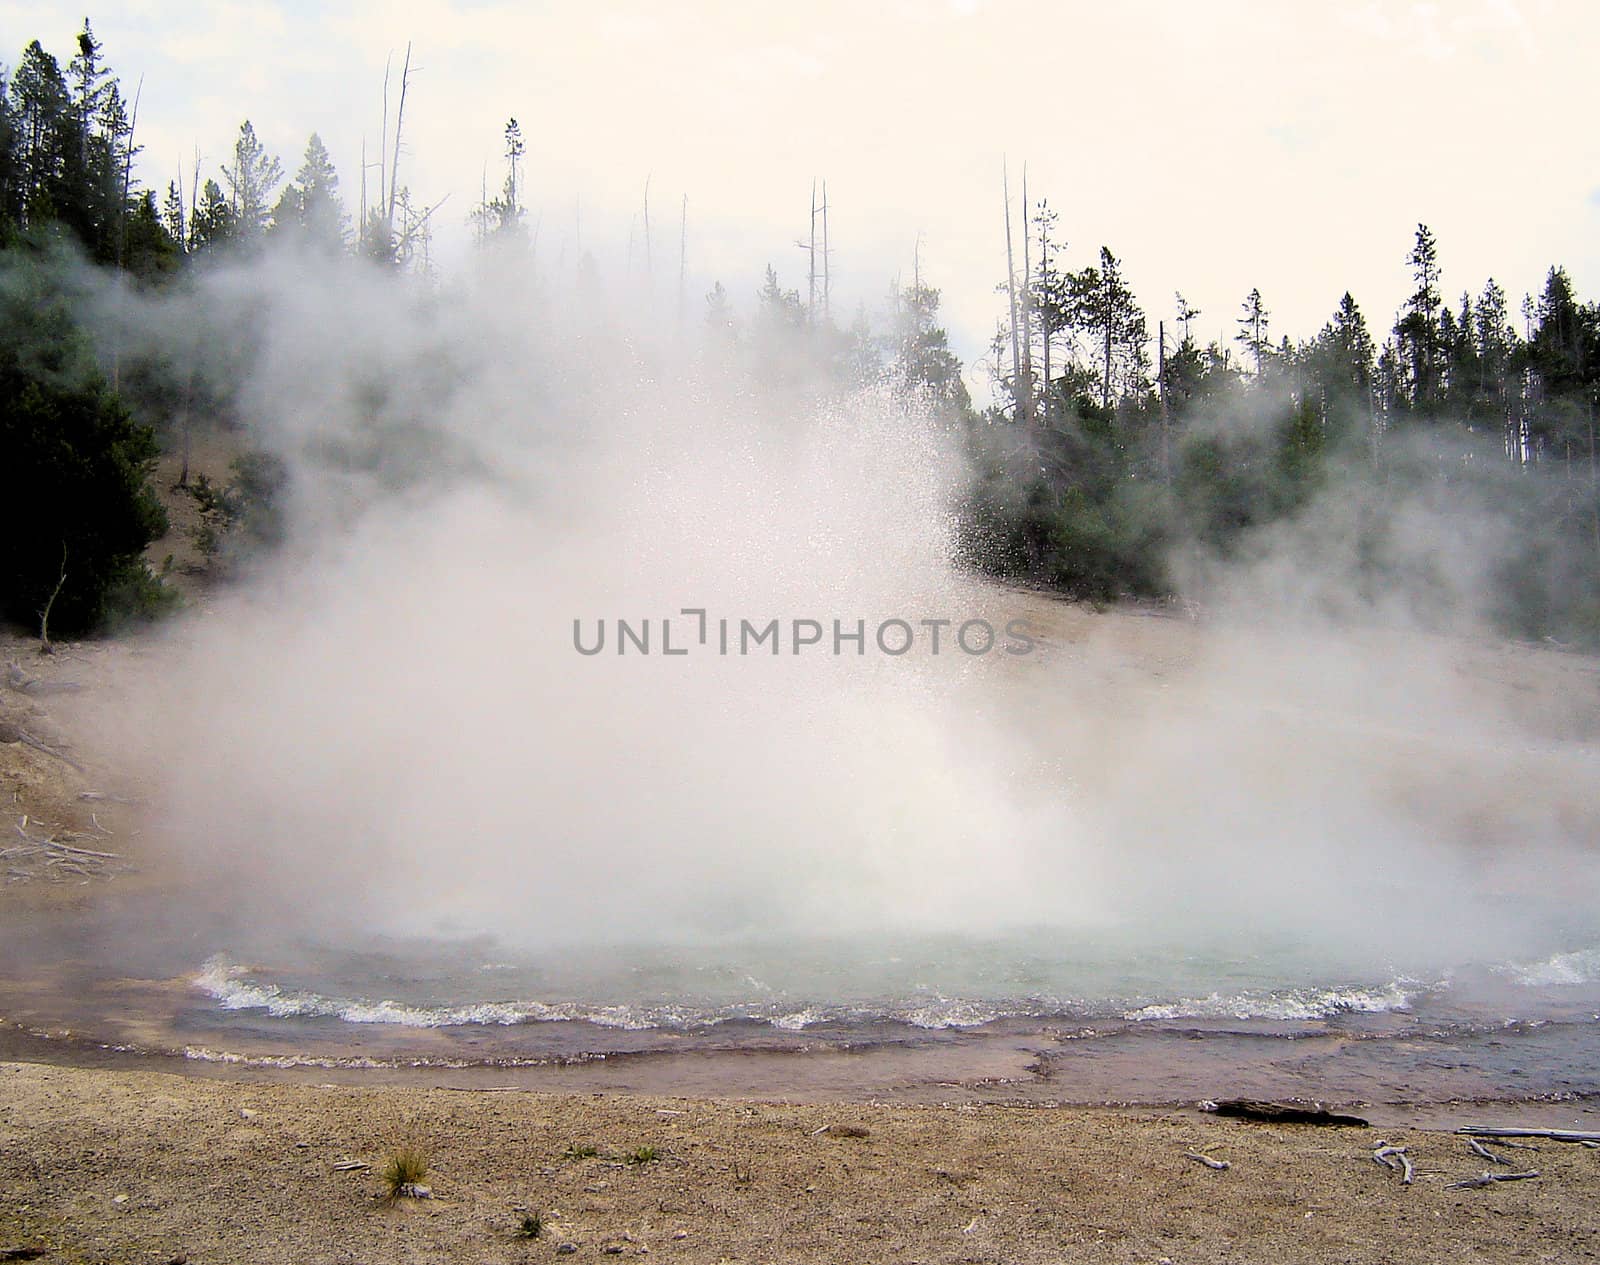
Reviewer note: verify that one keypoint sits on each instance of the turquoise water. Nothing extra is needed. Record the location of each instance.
(923, 983)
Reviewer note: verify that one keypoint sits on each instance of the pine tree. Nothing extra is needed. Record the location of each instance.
(1342, 359)
(922, 360)
(251, 178)
(310, 210)
(10, 173)
(212, 222)
(1103, 308)
(500, 219)
(719, 314)
(41, 110)
(91, 84)
(1418, 329)
(173, 217)
(1495, 349)
(1254, 324)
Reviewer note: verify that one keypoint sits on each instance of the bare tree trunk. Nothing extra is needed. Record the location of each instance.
(1044, 280)
(122, 230)
(811, 261)
(1161, 381)
(827, 274)
(1105, 381)
(194, 192)
(44, 616)
(394, 157)
(1027, 305)
(183, 219)
(1011, 290)
(383, 135)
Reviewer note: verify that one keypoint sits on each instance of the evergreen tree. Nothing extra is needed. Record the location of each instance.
(1561, 356)
(310, 210)
(150, 252)
(81, 510)
(1344, 353)
(10, 172)
(212, 223)
(173, 218)
(1102, 307)
(1418, 330)
(922, 360)
(40, 107)
(500, 219)
(251, 177)
(720, 324)
(1254, 325)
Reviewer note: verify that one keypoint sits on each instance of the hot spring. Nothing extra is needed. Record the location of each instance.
(405, 792)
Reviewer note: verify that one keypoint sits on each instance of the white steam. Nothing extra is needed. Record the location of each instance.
(388, 726)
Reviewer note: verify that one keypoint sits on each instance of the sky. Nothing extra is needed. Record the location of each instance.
(1214, 145)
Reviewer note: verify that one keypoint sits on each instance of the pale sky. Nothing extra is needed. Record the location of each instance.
(1214, 145)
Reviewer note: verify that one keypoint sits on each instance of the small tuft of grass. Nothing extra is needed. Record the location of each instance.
(643, 1155)
(403, 1170)
(582, 1151)
(531, 1226)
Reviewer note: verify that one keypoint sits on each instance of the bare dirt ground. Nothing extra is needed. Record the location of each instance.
(141, 1167)
(102, 1165)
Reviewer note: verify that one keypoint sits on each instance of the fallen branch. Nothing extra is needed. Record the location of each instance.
(482, 1089)
(59, 859)
(65, 847)
(1489, 1179)
(1395, 1157)
(23, 683)
(16, 733)
(1555, 1135)
(1220, 1166)
(1478, 1148)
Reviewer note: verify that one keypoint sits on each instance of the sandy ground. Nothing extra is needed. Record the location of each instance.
(143, 1167)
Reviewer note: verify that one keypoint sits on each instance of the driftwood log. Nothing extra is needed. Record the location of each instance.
(1284, 1113)
(1478, 1149)
(10, 732)
(1489, 1179)
(1555, 1135)
(20, 681)
(1395, 1157)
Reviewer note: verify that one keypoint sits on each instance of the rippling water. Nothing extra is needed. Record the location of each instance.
(924, 983)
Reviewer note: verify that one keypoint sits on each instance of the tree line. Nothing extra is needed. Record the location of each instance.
(1117, 440)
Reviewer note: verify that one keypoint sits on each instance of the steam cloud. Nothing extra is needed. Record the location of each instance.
(387, 728)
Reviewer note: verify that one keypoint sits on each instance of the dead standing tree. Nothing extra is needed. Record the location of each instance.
(1018, 386)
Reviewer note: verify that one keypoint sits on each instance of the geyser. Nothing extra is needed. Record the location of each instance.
(387, 740)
